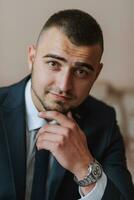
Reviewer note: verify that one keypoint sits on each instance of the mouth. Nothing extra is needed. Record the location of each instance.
(60, 97)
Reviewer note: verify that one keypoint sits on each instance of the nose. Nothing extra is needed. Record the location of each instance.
(65, 81)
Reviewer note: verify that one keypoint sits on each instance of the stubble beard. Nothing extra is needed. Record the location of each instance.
(50, 105)
(56, 106)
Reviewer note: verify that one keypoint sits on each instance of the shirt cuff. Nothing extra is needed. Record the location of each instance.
(97, 192)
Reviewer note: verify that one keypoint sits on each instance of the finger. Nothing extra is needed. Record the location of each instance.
(63, 120)
(70, 116)
(48, 145)
(41, 130)
(44, 128)
(50, 137)
(56, 129)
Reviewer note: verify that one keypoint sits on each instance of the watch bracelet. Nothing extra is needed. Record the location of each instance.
(87, 180)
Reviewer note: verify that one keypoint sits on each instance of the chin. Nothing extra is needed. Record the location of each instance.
(57, 108)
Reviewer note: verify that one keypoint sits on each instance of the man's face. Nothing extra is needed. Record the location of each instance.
(62, 73)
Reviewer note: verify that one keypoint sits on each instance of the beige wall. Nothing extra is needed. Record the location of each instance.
(21, 21)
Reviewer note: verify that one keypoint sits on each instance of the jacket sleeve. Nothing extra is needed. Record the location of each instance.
(119, 184)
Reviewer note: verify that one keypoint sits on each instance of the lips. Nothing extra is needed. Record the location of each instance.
(60, 97)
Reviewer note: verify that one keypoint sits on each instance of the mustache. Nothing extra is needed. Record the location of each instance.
(58, 91)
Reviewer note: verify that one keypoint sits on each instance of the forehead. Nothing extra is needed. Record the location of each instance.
(54, 41)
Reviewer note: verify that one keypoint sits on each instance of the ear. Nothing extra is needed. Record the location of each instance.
(31, 56)
(99, 68)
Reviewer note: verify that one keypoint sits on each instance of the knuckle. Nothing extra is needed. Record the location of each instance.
(60, 143)
(57, 145)
(55, 113)
(73, 126)
(62, 140)
(40, 139)
(67, 133)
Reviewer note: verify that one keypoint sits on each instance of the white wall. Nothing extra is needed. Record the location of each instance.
(21, 21)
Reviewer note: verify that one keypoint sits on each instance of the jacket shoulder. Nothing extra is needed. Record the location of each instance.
(3, 93)
(7, 90)
(98, 108)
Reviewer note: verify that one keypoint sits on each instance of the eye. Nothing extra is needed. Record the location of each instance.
(82, 73)
(53, 65)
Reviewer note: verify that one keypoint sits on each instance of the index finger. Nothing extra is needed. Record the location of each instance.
(60, 118)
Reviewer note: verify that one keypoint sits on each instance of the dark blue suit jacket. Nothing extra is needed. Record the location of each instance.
(98, 122)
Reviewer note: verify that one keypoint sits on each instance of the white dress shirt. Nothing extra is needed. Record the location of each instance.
(33, 123)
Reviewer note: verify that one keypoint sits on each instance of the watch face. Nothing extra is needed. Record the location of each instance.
(96, 170)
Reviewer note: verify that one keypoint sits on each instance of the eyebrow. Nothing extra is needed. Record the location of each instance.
(79, 64)
(55, 56)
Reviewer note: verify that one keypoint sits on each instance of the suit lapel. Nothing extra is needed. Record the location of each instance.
(15, 129)
(7, 188)
(13, 121)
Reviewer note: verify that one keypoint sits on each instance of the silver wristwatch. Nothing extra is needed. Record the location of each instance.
(94, 173)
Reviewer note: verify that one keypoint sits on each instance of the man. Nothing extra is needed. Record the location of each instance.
(56, 141)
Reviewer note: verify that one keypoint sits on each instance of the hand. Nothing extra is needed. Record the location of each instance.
(66, 141)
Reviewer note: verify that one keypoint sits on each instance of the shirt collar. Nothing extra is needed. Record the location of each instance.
(33, 121)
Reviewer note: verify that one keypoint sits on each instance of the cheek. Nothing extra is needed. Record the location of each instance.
(41, 79)
(82, 91)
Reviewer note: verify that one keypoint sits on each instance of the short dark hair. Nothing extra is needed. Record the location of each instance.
(80, 27)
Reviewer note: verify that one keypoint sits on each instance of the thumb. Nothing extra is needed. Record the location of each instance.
(69, 115)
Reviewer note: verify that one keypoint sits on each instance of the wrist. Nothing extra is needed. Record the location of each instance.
(80, 170)
(94, 173)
